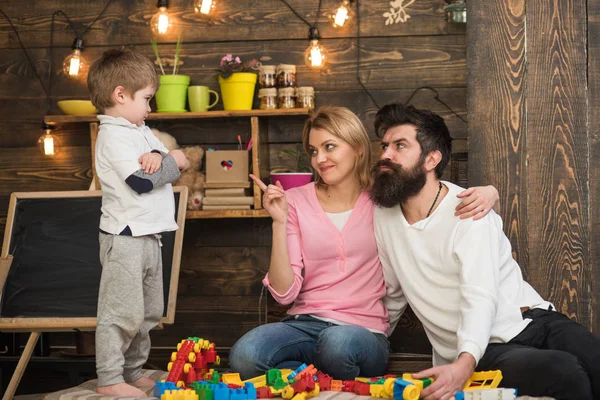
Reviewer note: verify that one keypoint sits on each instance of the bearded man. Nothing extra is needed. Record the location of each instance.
(460, 279)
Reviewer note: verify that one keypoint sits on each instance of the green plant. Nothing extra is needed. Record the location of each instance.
(230, 64)
(295, 160)
(175, 60)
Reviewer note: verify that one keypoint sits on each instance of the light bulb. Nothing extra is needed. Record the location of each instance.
(73, 64)
(341, 15)
(160, 22)
(204, 6)
(48, 143)
(316, 55)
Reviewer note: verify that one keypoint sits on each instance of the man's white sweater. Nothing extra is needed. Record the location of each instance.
(458, 276)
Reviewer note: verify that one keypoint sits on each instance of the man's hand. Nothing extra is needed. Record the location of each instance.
(180, 159)
(150, 162)
(449, 379)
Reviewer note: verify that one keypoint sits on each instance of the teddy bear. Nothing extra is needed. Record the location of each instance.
(191, 176)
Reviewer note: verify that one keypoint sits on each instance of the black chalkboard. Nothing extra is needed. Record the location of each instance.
(55, 272)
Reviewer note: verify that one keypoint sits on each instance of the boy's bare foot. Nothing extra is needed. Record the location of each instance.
(120, 389)
(144, 381)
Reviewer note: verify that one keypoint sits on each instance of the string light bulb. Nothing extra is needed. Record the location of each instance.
(456, 11)
(204, 7)
(73, 63)
(341, 16)
(315, 56)
(48, 143)
(160, 22)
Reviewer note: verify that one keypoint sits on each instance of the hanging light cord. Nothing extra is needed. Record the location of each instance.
(297, 15)
(358, 57)
(437, 98)
(37, 76)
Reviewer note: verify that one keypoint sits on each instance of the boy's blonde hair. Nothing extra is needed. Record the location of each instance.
(345, 125)
(119, 67)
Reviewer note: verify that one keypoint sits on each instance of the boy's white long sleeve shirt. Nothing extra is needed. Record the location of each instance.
(458, 276)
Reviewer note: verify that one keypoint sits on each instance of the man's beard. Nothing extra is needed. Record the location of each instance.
(396, 185)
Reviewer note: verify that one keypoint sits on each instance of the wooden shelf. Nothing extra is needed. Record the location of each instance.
(61, 119)
(227, 214)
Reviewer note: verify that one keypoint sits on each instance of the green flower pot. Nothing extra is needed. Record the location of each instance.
(172, 94)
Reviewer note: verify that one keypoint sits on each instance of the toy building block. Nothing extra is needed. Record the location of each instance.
(487, 394)
(232, 378)
(362, 389)
(250, 391)
(187, 394)
(263, 392)
(306, 383)
(309, 370)
(336, 385)
(384, 390)
(348, 386)
(404, 390)
(274, 379)
(237, 394)
(324, 380)
(161, 387)
(220, 391)
(203, 389)
(421, 383)
(296, 372)
(483, 380)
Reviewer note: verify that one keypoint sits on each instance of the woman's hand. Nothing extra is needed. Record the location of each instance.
(477, 202)
(274, 200)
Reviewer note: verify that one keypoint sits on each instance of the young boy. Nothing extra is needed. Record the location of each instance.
(135, 171)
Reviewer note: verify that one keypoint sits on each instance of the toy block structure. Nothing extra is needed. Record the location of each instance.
(191, 361)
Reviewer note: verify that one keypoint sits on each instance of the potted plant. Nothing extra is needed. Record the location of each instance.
(237, 80)
(172, 94)
(296, 172)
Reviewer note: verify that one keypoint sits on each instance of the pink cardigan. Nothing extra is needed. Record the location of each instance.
(337, 273)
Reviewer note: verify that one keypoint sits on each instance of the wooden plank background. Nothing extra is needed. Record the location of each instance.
(223, 261)
(532, 139)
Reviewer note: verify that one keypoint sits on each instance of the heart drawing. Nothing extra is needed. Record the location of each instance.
(227, 165)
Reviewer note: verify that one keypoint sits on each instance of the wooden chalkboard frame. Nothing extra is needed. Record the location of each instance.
(68, 324)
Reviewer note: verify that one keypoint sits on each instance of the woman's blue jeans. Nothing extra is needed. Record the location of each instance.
(342, 351)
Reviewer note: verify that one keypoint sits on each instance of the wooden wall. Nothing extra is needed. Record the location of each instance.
(533, 132)
(223, 260)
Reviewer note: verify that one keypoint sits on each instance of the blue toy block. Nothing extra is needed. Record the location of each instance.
(250, 391)
(296, 371)
(160, 387)
(237, 394)
(221, 392)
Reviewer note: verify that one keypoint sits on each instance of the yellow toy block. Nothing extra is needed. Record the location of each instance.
(416, 382)
(232, 378)
(187, 394)
(361, 379)
(483, 380)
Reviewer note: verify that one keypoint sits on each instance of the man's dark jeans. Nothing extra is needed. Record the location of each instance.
(553, 356)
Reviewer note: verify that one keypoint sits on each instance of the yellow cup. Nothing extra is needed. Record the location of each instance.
(199, 98)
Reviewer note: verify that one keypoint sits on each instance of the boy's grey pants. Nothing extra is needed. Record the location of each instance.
(130, 304)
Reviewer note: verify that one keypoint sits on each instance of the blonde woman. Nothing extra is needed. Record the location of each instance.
(324, 261)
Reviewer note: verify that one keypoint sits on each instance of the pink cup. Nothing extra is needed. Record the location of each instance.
(291, 179)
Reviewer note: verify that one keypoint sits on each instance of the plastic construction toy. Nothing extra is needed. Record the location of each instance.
(487, 394)
(404, 390)
(483, 380)
(179, 395)
(191, 360)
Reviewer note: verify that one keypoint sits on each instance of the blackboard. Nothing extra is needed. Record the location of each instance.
(54, 277)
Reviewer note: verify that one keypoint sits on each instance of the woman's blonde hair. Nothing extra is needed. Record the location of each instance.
(345, 125)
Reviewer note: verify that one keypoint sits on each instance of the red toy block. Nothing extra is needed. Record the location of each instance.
(324, 380)
(348, 386)
(263, 393)
(362, 389)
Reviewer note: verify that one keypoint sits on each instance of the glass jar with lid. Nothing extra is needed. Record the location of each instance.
(305, 97)
(287, 98)
(286, 75)
(267, 77)
(268, 98)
